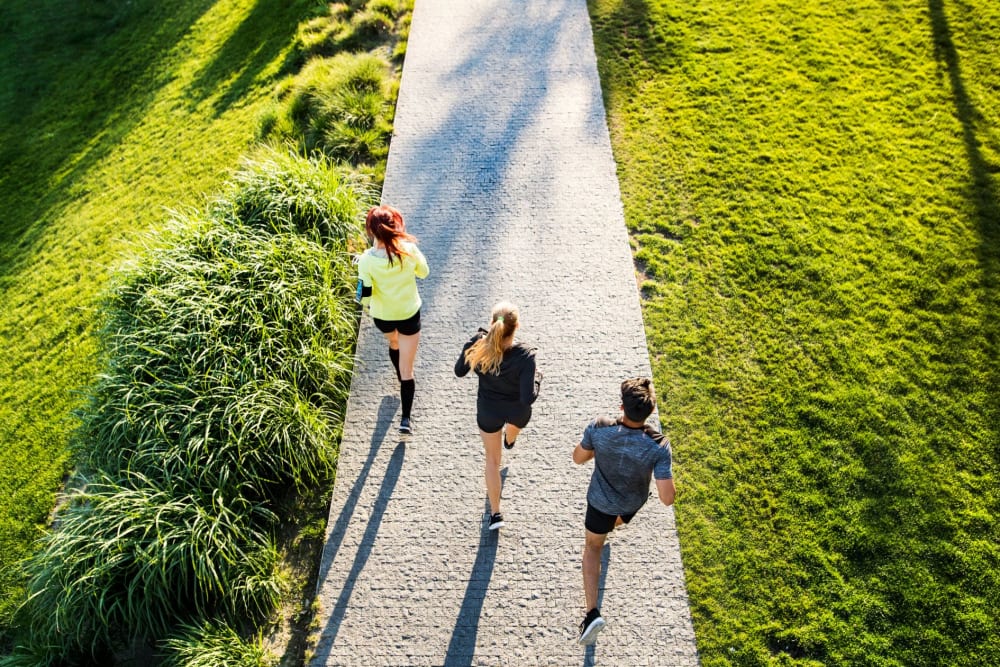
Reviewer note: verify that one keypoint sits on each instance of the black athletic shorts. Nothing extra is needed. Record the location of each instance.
(492, 415)
(600, 523)
(408, 327)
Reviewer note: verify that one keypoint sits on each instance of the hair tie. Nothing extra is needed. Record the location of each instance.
(500, 319)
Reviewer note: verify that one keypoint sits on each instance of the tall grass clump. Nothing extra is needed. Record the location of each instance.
(340, 106)
(221, 369)
(212, 645)
(228, 351)
(129, 561)
(355, 27)
(227, 363)
(279, 191)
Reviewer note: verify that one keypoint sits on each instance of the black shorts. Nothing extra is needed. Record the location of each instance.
(408, 327)
(492, 415)
(600, 523)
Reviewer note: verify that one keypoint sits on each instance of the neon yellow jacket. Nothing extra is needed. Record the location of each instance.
(394, 287)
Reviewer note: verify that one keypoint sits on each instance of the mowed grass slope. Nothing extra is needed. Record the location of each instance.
(109, 111)
(813, 198)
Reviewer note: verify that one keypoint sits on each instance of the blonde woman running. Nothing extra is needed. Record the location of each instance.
(507, 389)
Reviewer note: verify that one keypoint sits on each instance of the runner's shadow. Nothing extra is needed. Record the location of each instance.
(462, 647)
(383, 421)
(588, 655)
(339, 609)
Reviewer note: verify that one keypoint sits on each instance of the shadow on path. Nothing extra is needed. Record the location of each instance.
(367, 541)
(462, 647)
(384, 419)
(490, 134)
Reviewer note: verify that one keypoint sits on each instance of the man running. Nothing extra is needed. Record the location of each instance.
(626, 453)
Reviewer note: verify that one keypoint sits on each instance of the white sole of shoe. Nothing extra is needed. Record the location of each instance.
(589, 635)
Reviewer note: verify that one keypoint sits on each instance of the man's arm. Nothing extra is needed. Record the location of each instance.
(665, 489)
(581, 455)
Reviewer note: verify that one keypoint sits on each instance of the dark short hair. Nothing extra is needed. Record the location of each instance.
(638, 398)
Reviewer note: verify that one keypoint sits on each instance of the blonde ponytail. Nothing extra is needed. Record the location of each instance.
(485, 355)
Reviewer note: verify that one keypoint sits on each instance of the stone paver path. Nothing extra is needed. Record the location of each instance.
(502, 164)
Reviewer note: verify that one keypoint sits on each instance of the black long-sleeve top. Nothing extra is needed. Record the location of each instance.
(515, 380)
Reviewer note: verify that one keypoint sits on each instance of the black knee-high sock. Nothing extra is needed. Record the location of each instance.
(406, 390)
(394, 358)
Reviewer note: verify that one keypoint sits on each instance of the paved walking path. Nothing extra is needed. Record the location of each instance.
(501, 163)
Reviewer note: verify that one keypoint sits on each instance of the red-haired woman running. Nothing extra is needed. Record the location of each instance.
(387, 276)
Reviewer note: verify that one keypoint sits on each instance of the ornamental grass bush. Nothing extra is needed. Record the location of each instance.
(277, 191)
(227, 357)
(353, 27)
(131, 558)
(221, 369)
(211, 645)
(340, 107)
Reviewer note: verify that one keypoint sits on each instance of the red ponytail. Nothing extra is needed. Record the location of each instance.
(385, 223)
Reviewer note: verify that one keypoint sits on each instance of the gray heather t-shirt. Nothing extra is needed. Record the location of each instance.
(624, 460)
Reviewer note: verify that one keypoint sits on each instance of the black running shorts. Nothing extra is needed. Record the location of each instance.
(600, 523)
(408, 327)
(492, 415)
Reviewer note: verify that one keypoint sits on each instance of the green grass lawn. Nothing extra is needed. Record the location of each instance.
(812, 191)
(813, 199)
(109, 113)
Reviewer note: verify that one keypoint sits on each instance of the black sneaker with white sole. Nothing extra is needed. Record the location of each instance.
(496, 521)
(591, 626)
(507, 445)
(405, 426)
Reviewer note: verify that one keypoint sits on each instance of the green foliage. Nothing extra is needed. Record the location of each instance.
(282, 193)
(812, 195)
(341, 107)
(228, 360)
(210, 645)
(132, 558)
(99, 131)
(355, 27)
(227, 353)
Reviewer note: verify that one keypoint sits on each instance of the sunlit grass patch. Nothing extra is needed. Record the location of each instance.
(813, 200)
(208, 645)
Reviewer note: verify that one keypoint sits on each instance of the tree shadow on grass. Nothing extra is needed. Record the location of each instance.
(907, 542)
(76, 78)
(629, 40)
(984, 198)
(260, 38)
(982, 190)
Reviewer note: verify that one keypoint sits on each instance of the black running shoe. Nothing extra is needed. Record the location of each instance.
(405, 426)
(496, 521)
(507, 445)
(591, 626)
